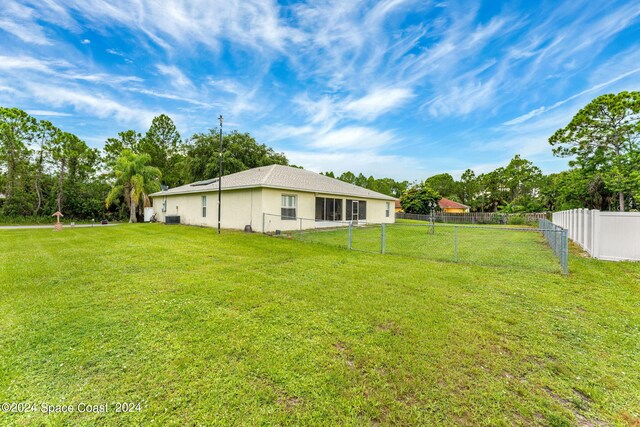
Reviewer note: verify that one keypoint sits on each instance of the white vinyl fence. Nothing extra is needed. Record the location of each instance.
(613, 236)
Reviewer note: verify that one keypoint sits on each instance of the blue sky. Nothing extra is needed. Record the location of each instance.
(397, 88)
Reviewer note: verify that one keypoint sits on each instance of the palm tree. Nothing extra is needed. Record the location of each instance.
(134, 179)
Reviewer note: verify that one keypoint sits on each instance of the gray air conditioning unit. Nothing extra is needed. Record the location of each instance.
(172, 219)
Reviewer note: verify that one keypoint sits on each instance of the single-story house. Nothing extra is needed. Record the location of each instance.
(273, 198)
(398, 206)
(449, 206)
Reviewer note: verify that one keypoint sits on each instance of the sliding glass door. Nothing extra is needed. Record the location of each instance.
(356, 210)
(328, 209)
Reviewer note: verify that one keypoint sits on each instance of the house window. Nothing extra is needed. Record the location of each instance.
(288, 209)
(328, 209)
(204, 206)
(387, 212)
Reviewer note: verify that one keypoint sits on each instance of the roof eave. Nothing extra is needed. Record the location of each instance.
(379, 196)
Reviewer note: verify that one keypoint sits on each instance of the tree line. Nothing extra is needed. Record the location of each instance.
(44, 169)
(387, 186)
(603, 142)
(518, 187)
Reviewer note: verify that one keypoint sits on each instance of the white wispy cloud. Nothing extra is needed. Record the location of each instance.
(328, 111)
(253, 23)
(7, 89)
(544, 109)
(226, 85)
(570, 34)
(48, 113)
(462, 100)
(169, 96)
(236, 98)
(378, 102)
(116, 52)
(27, 33)
(352, 138)
(21, 21)
(59, 69)
(102, 78)
(22, 62)
(90, 103)
(366, 162)
(277, 132)
(319, 112)
(328, 78)
(178, 78)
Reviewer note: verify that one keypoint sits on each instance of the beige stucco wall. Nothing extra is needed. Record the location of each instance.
(246, 207)
(306, 209)
(239, 208)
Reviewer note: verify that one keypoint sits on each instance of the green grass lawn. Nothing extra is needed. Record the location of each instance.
(246, 329)
(491, 245)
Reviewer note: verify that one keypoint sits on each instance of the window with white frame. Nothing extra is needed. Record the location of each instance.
(288, 208)
(204, 206)
(387, 212)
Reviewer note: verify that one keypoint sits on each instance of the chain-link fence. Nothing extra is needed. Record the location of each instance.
(557, 238)
(542, 248)
(529, 218)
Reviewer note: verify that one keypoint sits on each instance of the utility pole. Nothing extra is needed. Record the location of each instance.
(220, 177)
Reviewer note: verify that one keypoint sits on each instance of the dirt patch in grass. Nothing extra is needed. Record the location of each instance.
(344, 353)
(631, 420)
(581, 420)
(585, 401)
(390, 326)
(463, 420)
(282, 397)
(289, 403)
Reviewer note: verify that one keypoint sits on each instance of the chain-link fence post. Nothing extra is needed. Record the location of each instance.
(263, 215)
(350, 238)
(564, 260)
(383, 239)
(455, 244)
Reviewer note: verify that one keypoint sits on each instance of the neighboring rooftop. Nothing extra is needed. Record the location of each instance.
(450, 204)
(277, 176)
